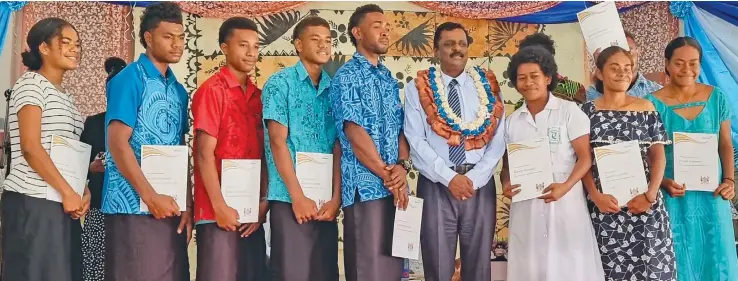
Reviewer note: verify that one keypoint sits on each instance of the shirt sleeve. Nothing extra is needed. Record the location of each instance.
(724, 110)
(124, 99)
(425, 159)
(485, 168)
(346, 101)
(207, 106)
(577, 124)
(27, 94)
(185, 110)
(274, 98)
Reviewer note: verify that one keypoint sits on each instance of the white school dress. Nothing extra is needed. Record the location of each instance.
(554, 241)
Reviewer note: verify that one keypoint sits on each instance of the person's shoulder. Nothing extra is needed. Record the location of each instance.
(127, 75)
(282, 76)
(643, 104)
(347, 70)
(31, 81)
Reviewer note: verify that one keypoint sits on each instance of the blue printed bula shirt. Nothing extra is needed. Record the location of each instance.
(156, 108)
(369, 96)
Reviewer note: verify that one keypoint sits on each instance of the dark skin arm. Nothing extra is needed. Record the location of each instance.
(605, 202)
(185, 220)
(509, 190)
(249, 228)
(726, 189)
(657, 161)
(29, 126)
(398, 175)
(225, 216)
(366, 152)
(584, 161)
(330, 210)
(304, 208)
(161, 206)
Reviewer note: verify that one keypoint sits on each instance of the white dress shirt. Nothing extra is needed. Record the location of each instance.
(429, 151)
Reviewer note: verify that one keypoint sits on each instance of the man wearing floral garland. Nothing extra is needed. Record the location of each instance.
(451, 118)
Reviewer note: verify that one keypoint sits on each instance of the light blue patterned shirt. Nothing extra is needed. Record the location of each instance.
(641, 88)
(156, 108)
(369, 96)
(291, 99)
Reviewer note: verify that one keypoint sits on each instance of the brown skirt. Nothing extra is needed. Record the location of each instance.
(142, 248)
(39, 241)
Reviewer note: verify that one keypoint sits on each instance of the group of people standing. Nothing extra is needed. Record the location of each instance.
(452, 125)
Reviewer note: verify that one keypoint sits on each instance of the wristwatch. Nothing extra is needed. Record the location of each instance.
(407, 164)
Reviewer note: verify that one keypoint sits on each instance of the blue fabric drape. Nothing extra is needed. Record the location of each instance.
(726, 10)
(6, 10)
(565, 12)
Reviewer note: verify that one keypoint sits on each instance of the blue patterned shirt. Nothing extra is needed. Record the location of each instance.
(641, 88)
(156, 108)
(369, 96)
(291, 99)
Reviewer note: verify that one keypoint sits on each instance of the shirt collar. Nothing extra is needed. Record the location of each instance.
(447, 79)
(361, 59)
(232, 82)
(552, 104)
(152, 71)
(303, 75)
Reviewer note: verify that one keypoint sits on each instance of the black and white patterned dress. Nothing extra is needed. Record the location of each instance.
(633, 247)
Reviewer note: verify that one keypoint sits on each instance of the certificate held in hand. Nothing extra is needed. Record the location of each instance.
(72, 159)
(601, 27)
(406, 234)
(530, 167)
(240, 182)
(315, 175)
(621, 171)
(696, 161)
(165, 168)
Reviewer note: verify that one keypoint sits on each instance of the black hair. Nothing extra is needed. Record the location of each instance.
(113, 65)
(358, 16)
(681, 42)
(449, 26)
(42, 32)
(226, 29)
(538, 55)
(308, 22)
(539, 39)
(602, 59)
(154, 14)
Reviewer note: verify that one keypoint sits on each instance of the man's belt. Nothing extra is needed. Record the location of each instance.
(463, 169)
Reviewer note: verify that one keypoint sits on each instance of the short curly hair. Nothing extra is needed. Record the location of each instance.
(538, 55)
(154, 14)
(358, 16)
(226, 29)
(539, 39)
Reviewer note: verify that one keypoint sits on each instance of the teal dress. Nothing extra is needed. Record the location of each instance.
(701, 224)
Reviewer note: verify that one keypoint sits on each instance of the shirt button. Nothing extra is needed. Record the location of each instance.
(545, 235)
(541, 214)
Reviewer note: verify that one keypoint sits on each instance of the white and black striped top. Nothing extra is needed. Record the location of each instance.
(59, 116)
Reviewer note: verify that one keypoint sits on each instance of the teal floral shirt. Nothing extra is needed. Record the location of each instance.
(291, 99)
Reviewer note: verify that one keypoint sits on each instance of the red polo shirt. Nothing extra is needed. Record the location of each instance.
(223, 109)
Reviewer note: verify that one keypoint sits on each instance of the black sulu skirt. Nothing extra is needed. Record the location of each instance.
(39, 241)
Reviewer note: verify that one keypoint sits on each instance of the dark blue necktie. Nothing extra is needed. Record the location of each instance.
(457, 154)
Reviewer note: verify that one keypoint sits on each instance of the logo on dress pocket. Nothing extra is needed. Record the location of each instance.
(554, 135)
